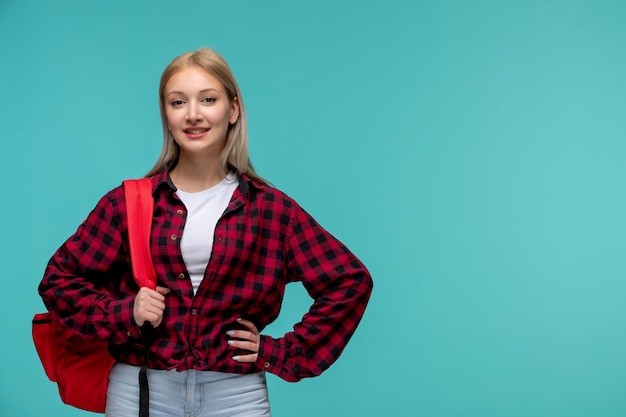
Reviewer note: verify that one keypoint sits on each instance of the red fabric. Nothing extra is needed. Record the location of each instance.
(138, 195)
(80, 366)
(263, 241)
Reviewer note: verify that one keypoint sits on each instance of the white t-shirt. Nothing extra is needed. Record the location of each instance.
(204, 209)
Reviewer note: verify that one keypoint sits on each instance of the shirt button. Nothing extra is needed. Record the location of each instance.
(179, 212)
(173, 237)
(266, 364)
(129, 333)
(193, 312)
(181, 276)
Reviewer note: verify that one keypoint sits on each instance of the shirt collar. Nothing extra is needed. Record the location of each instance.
(163, 179)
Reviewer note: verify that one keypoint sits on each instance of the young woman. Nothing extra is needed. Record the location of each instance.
(224, 244)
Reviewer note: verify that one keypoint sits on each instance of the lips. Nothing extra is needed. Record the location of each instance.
(195, 132)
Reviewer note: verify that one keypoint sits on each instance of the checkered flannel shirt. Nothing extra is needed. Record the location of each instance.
(263, 241)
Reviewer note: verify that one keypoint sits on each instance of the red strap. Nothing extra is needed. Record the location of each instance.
(139, 207)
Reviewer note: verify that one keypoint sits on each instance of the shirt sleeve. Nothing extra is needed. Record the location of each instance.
(80, 277)
(340, 286)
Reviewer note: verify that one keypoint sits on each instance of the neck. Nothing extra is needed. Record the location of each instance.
(193, 174)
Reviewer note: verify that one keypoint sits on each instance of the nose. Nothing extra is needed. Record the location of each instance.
(193, 113)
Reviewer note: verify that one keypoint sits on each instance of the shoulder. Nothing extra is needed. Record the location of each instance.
(273, 204)
(113, 202)
(267, 195)
(111, 199)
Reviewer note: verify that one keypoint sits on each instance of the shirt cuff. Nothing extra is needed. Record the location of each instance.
(122, 321)
(272, 358)
(268, 355)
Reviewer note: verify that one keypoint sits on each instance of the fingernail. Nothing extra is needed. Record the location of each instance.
(236, 358)
(239, 319)
(230, 342)
(230, 332)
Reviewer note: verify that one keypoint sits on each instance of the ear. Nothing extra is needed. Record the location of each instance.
(234, 111)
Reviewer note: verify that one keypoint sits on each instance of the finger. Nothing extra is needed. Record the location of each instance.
(147, 308)
(163, 290)
(150, 311)
(155, 318)
(242, 334)
(158, 294)
(154, 295)
(144, 317)
(248, 324)
(241, 344)
(142, 297)
(157, 308)
(156, 304)
(153, 309)
(146, 295)
(246, 358)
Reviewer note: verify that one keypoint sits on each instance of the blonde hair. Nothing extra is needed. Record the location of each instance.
(235, 154)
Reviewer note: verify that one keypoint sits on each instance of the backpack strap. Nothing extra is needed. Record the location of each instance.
(139, 207)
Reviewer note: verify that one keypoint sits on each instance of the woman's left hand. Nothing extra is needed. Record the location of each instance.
(245, 339)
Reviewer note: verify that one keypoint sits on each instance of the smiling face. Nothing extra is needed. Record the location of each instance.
(198, 112)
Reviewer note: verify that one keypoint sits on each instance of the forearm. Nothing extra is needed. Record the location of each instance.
(82, 282)
(320, 338)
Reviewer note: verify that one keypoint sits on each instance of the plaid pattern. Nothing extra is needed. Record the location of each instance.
(263, 241)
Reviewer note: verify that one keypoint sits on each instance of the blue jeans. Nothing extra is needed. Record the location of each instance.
(188, 394)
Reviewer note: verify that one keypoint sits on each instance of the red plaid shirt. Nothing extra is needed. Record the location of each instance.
(263, 241)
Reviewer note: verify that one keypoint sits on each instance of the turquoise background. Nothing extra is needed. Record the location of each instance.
(471, 153)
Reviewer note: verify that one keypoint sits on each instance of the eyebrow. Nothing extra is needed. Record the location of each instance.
(202, 91)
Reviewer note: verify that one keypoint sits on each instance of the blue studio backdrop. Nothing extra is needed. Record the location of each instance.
(471, 153)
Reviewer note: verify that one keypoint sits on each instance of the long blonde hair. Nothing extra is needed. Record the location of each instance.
(235, 154)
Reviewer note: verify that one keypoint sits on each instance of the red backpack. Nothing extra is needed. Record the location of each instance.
(81, 367)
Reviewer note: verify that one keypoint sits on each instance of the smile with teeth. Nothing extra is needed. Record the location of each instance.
(196, 131)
